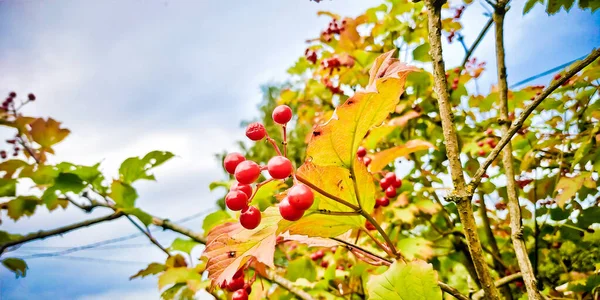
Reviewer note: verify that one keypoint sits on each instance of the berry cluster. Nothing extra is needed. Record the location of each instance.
(311, 56)
(16, 149)
(329, 85)
(9, 102)
(475, 68)
(238, 286)
(389, 184)
(299, 197)
(362, 155)
(455, 79)
(458, 12)
(334, 63)
(489, 141)
(451, 36)
(334, 27)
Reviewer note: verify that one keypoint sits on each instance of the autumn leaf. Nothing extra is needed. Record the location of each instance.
(47, 133)
(335, 142)
(415, 280)
(151, 269)
(567, 188)
(383, 158)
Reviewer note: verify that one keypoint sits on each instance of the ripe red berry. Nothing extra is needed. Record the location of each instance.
(480, 143)
(390, 192)
(384, 183)
(256, 131)
(397, 183)
(12, 94)
(250, 217)
(240, 294)
(314, 257)
(236, 200)
(235, 284)
(301, 197)
(31, 97)
(248, 288)
(239, 273)
(232, 160)
(288, 212)
(324, 264)
(246, 188)
(489, 131)
(282, 114)
(367, 160)
(3, 154)
(481, 152)
(361, 152)
(383, 201)
(247, 172)
(279, 167)
(369, 226)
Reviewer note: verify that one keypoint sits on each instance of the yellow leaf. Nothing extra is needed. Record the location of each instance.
(335, 143)
(47, 133)
(382, 158)
(567, 188)
(402, 120)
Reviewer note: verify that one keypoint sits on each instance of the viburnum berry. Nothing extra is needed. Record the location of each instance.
(31, 97)
(300, 197)
(240, 294)
(256, 131)
(383, 201)
(289, 212)
(3, 154)
(239, 273)
(361, 152)
(279, 167)
(384, 183)
(248, 288)
(232, 160)
(250, 217)
(236, 200)
(367, 160)
(12, 94)
(489, 131)
(246, 188)
(282, 114)
(317, 255)
(481, 152)
(480, 143)
(390, 192)
(235, 284)
(369, 226)
(324, 264)
(247, 172)
(397, 183)
(391, 177)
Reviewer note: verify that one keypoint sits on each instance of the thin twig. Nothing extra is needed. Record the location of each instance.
(477, 41)
(367, 252)
(146, 233)
(498, 283)
(452, 291)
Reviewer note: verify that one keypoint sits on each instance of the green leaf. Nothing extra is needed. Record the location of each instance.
(415, 280)
(15, 265)
(183, 245)
(135, 168)
(216, 218)
(65, 182)
(530, 4)
(22, 206)
(416, 247)
(11, 166)
(140, 214)
(301, 268)
(151, 269)
(85, 173)
(40, 174)
(171, 293)
(177, 275)
(123, 194)
(421, 53)
(7, 237)
(8, 187)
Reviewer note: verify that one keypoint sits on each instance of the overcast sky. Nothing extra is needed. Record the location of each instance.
(131, 76)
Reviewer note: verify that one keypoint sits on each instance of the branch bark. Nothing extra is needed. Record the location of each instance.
(514, 207)
(523, 116)
(452, 291)
(459, 194)
(44, 234)
(499, 283)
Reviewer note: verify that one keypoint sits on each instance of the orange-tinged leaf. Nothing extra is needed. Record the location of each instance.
(229, 246)
(382, 158)
(568, 187)
(402, 120)
(335, 142)
(47, 133)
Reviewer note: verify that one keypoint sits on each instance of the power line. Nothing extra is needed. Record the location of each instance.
(109, 247)
(526, 80)
(101, 260)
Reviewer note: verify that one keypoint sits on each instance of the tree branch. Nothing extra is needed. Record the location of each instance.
(452, 291)
(514, 207)
(477, 41)
(459, 194)
(147, 234)
(523, 116)
(499, 283)
(44, 234)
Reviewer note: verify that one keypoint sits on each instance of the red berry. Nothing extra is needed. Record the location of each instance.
(31, 97)
(391, 177)
(240, 294)
(247, 172)
(489, 131)
(246, 188)
(390, 192)
(481, 152)
(397, 183)
(256, 131)
(248, 288)
(282, 114)
(383, 201)
(367, 160)
(236, 200)
(519, 284)
(288, 212)
(384, 183)
(300, 197)
(236, 284)
(3, 154)
(239, 273)
(314, 257)
(223, 284)
(369, 226)
(232, 160)
(12, 94)
(324, 264)
(480, 143)
(250, 217)
(361, 152)
(279, 167)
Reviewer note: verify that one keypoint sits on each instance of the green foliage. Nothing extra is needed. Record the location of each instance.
(15, 265)
(415, 280)
(135, 168)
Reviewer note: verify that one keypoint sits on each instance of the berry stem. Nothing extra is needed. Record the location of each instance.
(272, 141)
(284, 140)
(258, 186)
(382, 246)
(366, 252)
(336, 213)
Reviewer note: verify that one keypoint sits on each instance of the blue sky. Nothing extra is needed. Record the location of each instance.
(131, 76)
